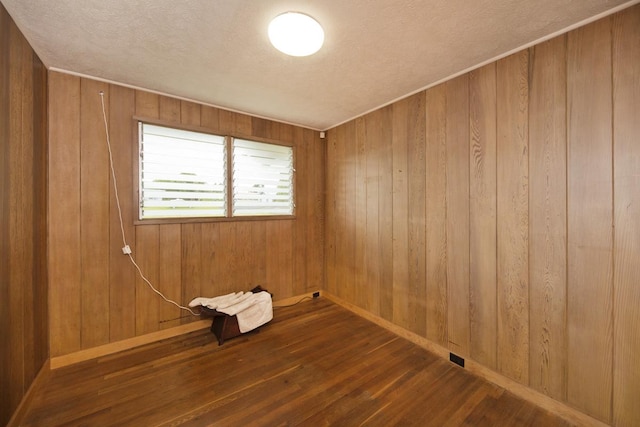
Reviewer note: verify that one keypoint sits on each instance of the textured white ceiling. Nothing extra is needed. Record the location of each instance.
(217, 51)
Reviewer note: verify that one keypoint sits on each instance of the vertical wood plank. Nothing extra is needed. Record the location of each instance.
(482, 214)
(385, 212)
(209, 118)
(513, 215)
(226, 122)
(27, 214)
(94, 210)
(40, 171)
(285, 231)
(361, 287)
(259, 252)
(273, 256)
(626, 135)
(147, 104)
(189, 113)
(212, 247)
(331, 218)
(436, 244)
(418, 166)
(372, 260)
(6, 409)
(147, 258)
(457, 214)
(191, 280)
(286, 133)
(169, 109)
(590, 199)
(121, 273)
(169, 275)
(226, 262)
(279, 258)
(548, 218)
(243, 255)
(259, 127)
(400, 287)
(18, 234)
(242, 124)
(343, 274)
(64, 238)
(347, 239)
(27, 211)
(271, 129)
(316, 216)
(340, 201)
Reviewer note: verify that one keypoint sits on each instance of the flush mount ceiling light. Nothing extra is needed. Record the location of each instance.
(296, 34)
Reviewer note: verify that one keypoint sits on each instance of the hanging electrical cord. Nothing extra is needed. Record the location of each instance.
(126, 249)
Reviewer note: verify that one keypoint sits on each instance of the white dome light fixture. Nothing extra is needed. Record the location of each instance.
(296, 34)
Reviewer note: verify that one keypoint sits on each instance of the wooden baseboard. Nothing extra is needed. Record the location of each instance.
(114, 347)
(21, 410)
(294, 300)
(558, 408)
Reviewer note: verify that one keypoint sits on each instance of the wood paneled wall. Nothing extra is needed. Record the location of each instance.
(23, 216)
(96, 296)
(498, 214)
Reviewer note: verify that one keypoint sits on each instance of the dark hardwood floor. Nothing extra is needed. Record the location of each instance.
(315, 364)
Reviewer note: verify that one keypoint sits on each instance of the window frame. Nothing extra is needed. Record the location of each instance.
(229, 137)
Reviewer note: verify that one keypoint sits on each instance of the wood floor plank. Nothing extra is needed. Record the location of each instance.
(315, 364)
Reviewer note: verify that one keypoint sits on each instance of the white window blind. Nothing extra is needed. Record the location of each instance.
(262, 179)
(182, 173)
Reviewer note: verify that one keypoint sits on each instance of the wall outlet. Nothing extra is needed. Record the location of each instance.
(456, 359)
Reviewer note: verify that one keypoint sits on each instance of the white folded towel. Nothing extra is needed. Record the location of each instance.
(233, 302)
(215, 302)
(252, 310)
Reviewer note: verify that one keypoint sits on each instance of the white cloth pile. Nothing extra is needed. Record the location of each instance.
(251, 309)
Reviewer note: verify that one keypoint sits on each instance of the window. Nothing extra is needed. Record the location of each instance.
(185, 174)
(262, 178)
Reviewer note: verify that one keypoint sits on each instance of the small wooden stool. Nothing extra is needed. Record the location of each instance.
(223, 326)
